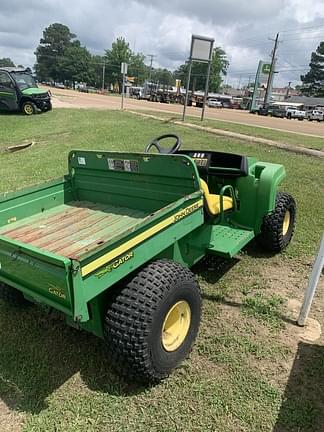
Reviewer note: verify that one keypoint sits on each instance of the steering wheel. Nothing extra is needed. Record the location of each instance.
(156, 143)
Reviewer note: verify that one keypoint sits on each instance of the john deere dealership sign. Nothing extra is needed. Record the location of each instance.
(265, 68)
(260, 84)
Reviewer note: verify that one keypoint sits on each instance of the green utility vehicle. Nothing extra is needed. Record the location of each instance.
(19, 92)
(110, 244)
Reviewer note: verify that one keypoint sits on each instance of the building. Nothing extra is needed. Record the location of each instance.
(279, 94)
(307, 102)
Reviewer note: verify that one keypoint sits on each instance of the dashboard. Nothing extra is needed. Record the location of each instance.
(218, 163)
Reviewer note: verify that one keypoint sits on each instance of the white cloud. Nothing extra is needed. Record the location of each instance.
(241, 27)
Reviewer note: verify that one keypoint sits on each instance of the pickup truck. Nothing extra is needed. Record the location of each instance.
(293, 113)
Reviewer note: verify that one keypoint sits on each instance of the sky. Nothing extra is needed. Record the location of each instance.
(243, 28)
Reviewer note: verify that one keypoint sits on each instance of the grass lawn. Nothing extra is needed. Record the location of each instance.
(249, 370)
(257, 131)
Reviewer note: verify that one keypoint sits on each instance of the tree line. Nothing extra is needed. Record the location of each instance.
(313, 80)
(60, 57)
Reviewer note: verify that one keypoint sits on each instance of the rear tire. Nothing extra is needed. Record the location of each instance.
(12, 296)
(152, 323)
(278, 227)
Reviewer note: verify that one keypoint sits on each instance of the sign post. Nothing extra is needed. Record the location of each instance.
(123, 70)
(312, 284)
(201, 50)
(261, 79)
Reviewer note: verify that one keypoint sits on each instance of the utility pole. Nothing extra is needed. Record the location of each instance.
(272, 66)
(103, 75)
(151, 64)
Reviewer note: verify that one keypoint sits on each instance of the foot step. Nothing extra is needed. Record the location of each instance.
(228, 241)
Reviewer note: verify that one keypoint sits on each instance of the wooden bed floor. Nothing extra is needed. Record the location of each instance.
(75, 228)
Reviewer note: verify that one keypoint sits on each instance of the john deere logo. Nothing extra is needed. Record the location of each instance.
(266, 68)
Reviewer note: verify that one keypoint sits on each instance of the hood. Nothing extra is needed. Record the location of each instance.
(33, 91)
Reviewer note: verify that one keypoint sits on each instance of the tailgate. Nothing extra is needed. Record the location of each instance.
(38, 274)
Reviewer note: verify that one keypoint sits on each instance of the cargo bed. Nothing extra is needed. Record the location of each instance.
(74, 229)
(65, 242)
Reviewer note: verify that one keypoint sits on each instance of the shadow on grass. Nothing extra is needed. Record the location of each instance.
(10, 113)
(302, 407)
(212, 268)
(39, 353)
(254, 250)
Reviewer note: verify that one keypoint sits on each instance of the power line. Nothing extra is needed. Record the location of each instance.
(301, 28)
(151, 64)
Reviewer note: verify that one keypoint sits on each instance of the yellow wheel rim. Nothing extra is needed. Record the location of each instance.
(286, 223)
(176, 326)
(28, 109)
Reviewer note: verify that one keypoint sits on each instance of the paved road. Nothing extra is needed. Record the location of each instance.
(74, 99)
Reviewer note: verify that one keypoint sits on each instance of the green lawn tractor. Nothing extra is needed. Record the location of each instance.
(19, 92)
(110, 244)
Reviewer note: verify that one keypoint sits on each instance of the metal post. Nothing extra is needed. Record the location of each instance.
(187, 91)
(206, 91)
(312, 283)
(271, 73)
(255, 88)
(103, 76)
(123, 91)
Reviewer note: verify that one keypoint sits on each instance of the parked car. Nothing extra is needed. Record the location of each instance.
(276, 111)
(214, 103)
(315, 115)
(263, 110)
(293, 113)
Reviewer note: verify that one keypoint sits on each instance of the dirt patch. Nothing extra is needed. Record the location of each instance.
(75, 99)
(10, 421)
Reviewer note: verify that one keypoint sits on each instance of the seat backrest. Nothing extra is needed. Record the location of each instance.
(207, 196)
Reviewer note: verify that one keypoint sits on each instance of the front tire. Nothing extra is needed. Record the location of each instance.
(49, 106)
(278, 227)
(29, 108)
(152, 323)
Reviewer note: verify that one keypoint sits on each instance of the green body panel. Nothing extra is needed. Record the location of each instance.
(257, 194)
(32, 91)
(45, 278)
(8, 94)
(16, 206)
(67, 242)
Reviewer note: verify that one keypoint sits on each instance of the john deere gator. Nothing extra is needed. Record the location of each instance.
(110, 244)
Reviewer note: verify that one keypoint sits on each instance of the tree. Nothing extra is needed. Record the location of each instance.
(137, 68)
(313, 81)
(76, 64)
(97, 62)
(163, 76)
(6, 62)
(219, 65)
(56, 39)
(120, 52)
